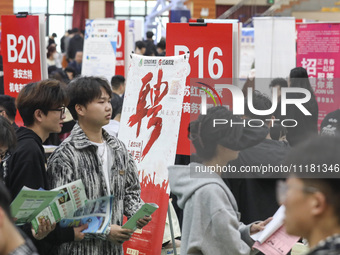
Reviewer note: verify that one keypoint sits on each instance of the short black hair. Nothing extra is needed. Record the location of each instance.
(140, 45)
(149, 34)
(7, 134)
(319, 150)
(279, 81)
(43, 95)
(83, 90)
(260, 102)
(5, 200)
(116, 81)
(161, 44)
(8, 103)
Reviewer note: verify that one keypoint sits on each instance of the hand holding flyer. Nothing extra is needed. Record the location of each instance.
(145, 210)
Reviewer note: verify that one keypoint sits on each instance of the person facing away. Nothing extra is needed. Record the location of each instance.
(150, 45)
(255, 196)
(101, 161)
(307, 125)
(210, 218)
(12, 242)
(313, 204)
(41, 106)
(8, 109)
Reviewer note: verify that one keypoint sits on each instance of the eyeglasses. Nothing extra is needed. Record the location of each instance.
(61, 110)
(282, 189)
(5, 156)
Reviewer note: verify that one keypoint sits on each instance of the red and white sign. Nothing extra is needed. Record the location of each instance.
(318, 50)
(149, 127)
(120, 55)
(211, 56)
(20, 46)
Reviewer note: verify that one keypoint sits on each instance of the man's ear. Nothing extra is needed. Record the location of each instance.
(80, 109)
(318, 203)
(38, 114)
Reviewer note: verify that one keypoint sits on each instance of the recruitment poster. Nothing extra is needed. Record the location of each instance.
(149, 127)
(211, 56)
(20, 48)
(318, 50)
(100, 46)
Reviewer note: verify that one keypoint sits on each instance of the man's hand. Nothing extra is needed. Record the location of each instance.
(44, 229)
(143, 221)
(78, 234)
(259, 226)
(119, 235)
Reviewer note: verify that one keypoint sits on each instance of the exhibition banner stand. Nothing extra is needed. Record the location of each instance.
(212, 51)
(318, 50)
(149, 128)
(24, 52)
(100, 46)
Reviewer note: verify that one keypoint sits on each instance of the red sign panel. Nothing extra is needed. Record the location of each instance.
(20, 47)
(211, 56)
(120, 55)
(318, 50)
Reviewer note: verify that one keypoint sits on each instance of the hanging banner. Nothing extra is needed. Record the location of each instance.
(20, 47)
(318, 50)
(100, 46)
(120, 58)
(149, 127)
(247, 52)
(211, 56)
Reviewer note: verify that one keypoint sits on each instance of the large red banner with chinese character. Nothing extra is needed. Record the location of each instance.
(20, 47)
(149, 127)
(211, 56)
(318, 50)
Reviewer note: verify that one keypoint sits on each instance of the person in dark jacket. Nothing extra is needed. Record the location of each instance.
(42, 107)
(76, 44)
(255, 197)
(307, 125)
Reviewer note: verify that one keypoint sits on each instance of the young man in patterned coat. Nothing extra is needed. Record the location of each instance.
(101, 161)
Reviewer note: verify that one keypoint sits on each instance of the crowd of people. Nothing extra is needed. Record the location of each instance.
(81, 115)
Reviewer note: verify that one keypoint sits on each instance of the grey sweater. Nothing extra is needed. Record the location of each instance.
(210, 218)
(76, 158)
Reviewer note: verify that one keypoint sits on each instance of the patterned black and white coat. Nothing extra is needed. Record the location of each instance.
(76, 158)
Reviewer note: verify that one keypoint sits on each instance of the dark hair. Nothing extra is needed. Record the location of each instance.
(43, 95)
(7, 134)
(277, 131)
(140, 45)
(8, 103)
(299, 79)
(161, 45)
(50, 50)
(5, 200)
(320, 150)
(149, 34)
(54, 35)
(116, 81)
(279, 81)
(260, 102)
(83, 90)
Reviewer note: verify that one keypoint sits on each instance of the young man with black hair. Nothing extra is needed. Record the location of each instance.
(101, 161)
(255, 197)
(42, 107)
(313, 204)
(8, 109)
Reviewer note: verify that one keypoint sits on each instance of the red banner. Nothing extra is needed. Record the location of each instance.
(318, 50)
(120, 55)
(211, 56)
(20, 47)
